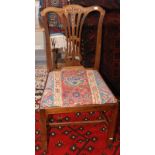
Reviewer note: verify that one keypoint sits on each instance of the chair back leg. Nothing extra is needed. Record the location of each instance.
(112, 124)
(43, 126)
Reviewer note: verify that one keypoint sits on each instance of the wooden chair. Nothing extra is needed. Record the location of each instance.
(75, 88)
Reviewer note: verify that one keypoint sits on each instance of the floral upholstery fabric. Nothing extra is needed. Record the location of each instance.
(71, 87)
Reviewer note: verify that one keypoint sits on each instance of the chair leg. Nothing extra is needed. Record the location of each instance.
(112, 126)
(43, 125)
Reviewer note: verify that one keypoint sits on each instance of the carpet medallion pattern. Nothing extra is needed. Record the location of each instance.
(72, 140)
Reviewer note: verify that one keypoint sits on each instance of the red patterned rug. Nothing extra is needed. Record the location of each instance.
(77, 140)
(73, 140)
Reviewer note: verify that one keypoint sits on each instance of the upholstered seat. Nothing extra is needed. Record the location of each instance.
(76, 86)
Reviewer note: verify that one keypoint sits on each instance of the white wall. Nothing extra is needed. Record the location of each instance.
(40, 56)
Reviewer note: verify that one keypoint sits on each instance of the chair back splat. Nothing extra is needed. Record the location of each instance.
(72, 18)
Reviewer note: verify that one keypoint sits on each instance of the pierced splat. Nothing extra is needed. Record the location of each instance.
(73, 27)
(72, 18)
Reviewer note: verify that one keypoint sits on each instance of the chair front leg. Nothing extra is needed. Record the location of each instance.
(43, 125)
(112, 125)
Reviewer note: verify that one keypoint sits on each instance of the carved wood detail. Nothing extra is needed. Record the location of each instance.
(72, 18)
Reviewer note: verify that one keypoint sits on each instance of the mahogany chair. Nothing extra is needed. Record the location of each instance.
(74, 88)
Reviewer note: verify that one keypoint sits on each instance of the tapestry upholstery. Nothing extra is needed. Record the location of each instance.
(76, 86)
